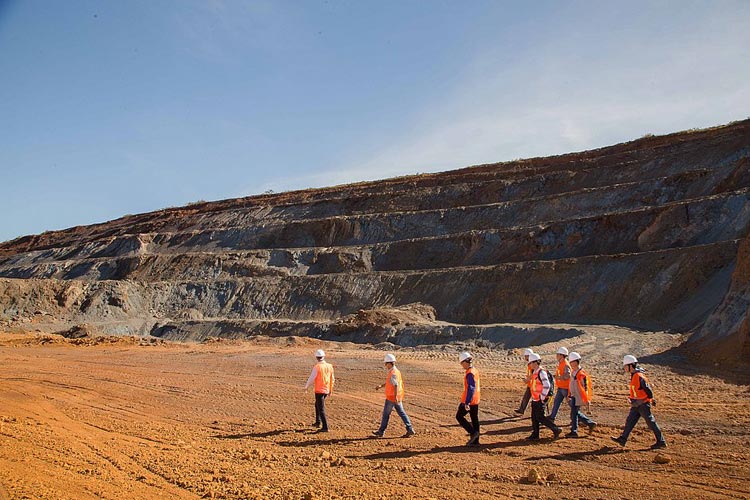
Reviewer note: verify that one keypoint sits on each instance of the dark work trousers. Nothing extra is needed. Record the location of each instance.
(320, 410)
(473, 412)
(644, 411)
(538, 417)
(525, 400)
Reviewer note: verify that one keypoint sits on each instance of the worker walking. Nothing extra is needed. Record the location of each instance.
(322, 379)
(562, 381)
(394, 398)
(539, 387)
(527, 394)
(579, 395)
(641, 400)
(470, 399)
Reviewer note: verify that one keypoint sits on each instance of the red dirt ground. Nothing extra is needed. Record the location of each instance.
(116, 419)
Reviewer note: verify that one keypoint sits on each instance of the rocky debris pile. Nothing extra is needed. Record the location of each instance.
(380, 324)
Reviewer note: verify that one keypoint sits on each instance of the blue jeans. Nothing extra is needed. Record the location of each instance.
(576, 414)
(387, 409)
(637, 412)
(559, 396)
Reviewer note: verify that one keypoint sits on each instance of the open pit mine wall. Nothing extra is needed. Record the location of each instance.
(726, 332)
(645, 234)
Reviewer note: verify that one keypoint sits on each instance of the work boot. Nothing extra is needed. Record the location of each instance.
(473, 439)
(591, 427)
(409, 433)
(533, 437)
(618, 440)
(571, 435)
(659, 445)
(518, 411)
(316, 424)
(324, 429)
(377, 434)
(557, 431)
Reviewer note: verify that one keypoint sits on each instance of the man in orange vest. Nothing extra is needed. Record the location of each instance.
(562, 381)
(641, 399)
(527, 394)
(394, 398)
(322, 379)
(470, 399)
(539, 387)
(579, 395)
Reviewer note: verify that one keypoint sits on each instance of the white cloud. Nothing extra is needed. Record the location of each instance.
(559, 101)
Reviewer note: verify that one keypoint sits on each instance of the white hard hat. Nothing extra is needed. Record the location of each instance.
(563, 351)
(629, 360)
(320, 353)
(389, 358)
(534, 357)
(528, 351)
(464, 356)
(574, 356)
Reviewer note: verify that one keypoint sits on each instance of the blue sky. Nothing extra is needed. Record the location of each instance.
(114, 108)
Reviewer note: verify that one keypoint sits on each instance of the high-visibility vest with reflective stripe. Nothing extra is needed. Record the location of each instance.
(475, 397)
(392, 393)
(635, 387)
(529, 372)
(560, 383)
(537, 386)
(324, 378)
(585, 392)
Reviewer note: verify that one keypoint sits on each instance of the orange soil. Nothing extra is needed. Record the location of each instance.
(231, 420)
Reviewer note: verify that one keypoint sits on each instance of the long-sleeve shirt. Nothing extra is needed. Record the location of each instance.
(642, 386)
(575, 389)
(471, 387)
(539, 377)
(323, 389)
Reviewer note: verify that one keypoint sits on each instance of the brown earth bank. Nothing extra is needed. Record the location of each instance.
(92, 417)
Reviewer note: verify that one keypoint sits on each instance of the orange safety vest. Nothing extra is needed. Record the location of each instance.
(585, 392)
(562, 384)
(475, 398)
(324, 378)
(635, 387)
(529, 371)
(390, 390)
(536, 386)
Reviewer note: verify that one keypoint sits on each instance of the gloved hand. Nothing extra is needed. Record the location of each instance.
(467, 407)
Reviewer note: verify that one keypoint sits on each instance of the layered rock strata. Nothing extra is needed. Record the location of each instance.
(644, 234)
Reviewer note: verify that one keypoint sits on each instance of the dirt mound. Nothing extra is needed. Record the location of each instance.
(406, 315)
(380, 324)
(79, 331)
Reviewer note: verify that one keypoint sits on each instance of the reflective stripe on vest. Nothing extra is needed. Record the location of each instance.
(390, 390)
(560, 383)
(536, 385)
(324, 378)
(475, 397)
(636, 392)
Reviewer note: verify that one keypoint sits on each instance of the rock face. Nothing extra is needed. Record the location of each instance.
(643, 234)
